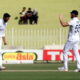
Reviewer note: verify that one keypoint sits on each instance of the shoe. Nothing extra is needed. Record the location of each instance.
(62, 69)
(77, 70)
(2, 68)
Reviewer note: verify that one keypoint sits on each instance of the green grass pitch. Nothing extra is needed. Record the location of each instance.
(38, 72)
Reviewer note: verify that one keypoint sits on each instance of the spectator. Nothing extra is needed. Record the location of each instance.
(35, 16)
(22, 16)
(29, 14)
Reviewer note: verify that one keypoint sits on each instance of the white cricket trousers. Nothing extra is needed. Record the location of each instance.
(74, 46)
(0, 51)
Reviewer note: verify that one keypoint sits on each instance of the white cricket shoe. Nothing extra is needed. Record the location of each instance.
(62, 69)
(77, 70)
(2, 68)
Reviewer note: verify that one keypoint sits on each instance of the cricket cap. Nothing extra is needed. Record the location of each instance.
(74, 12)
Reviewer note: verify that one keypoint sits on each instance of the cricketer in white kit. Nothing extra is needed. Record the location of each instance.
(3, 24)
(73, 40)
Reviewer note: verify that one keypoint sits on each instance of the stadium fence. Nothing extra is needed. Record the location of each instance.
(36, 38)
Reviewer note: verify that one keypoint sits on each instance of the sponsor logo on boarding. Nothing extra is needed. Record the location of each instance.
(57, 55)
(20, 56)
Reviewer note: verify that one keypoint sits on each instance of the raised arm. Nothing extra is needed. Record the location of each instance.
(64, 24)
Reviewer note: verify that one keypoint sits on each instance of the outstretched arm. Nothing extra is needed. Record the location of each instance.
(64, 24)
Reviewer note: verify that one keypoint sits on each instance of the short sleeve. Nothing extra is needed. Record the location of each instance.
(70, 22)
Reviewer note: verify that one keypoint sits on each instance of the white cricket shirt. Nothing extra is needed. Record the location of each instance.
(2, 27)
(74, 29)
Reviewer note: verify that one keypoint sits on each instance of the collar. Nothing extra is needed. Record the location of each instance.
(74, 18)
